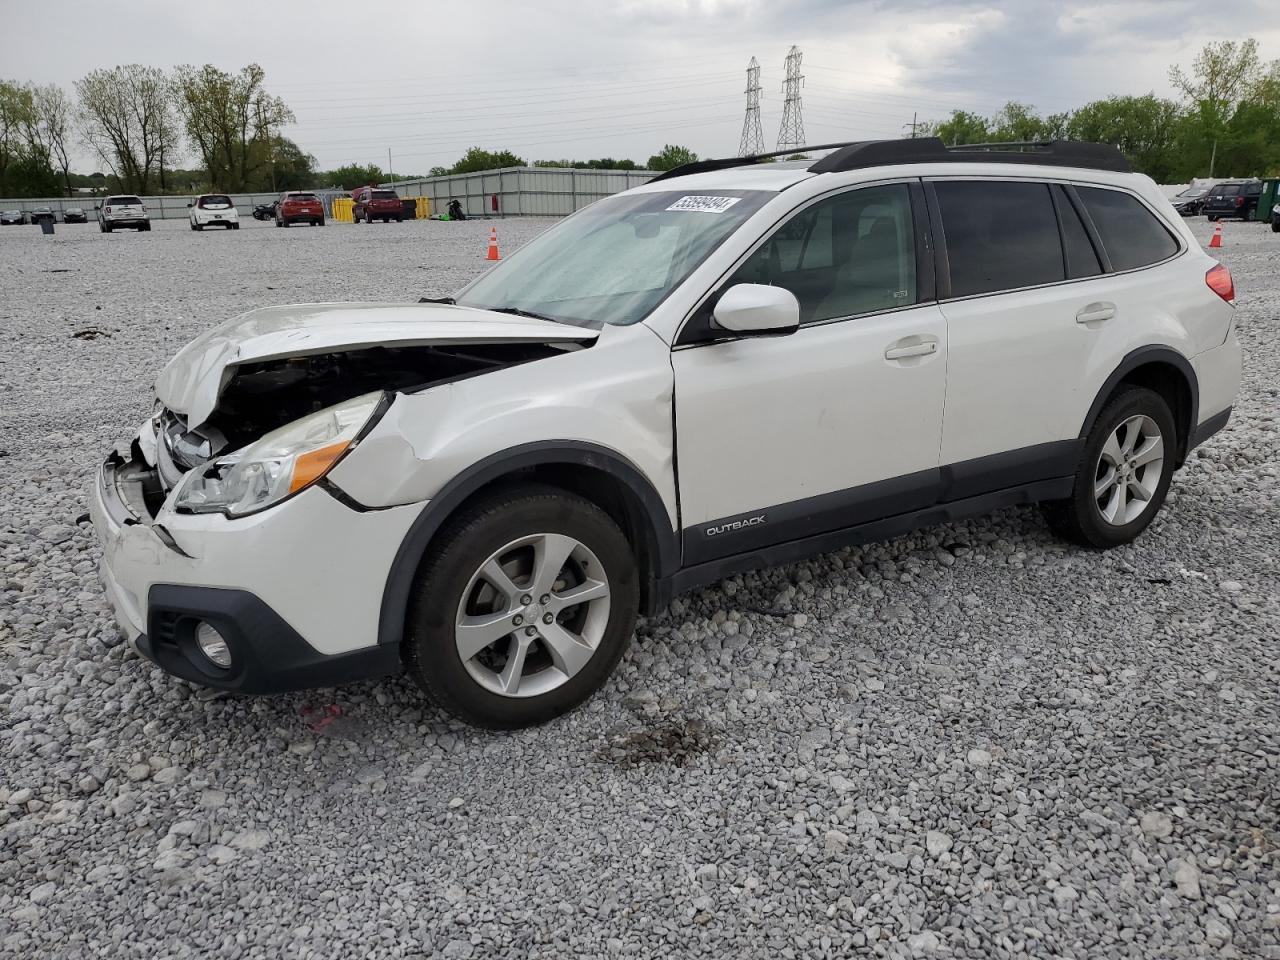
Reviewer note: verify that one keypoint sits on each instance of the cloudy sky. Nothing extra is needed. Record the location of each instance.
(551, 79)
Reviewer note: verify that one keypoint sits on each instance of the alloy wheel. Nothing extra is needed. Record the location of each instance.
(1128, 470)
(532, 615)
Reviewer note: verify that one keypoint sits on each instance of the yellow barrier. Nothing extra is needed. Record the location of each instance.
(423, 208)
(342, 207)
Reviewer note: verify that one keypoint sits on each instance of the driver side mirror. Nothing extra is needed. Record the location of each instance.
(757, 309)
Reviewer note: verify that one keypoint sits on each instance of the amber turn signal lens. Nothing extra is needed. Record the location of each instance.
(310, 467)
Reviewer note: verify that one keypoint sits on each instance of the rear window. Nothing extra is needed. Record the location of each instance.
(1132, 235)
(124, 201)
(1001, 235)
(385, 195)
(215, 201)
(301, 196)
(1227, 190)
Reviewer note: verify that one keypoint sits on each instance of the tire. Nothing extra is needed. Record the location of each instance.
(368, 217)
(197, 226)
(233, 226)
(399, 219)
(320, 222)
(1211, 217)
(145, 228)
(1081, 518)
(1275, 226)
(452, 584)
(103, 228)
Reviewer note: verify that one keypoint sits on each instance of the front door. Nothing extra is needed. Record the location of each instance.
(783, 438)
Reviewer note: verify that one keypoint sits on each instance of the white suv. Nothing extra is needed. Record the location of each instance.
(213, 210)
(737, 364)
(123, 211)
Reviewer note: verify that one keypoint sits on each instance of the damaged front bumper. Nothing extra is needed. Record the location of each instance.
(295, 590)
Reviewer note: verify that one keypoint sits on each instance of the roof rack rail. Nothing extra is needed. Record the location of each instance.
(1056, 153)
(855, 155)
(704, 166)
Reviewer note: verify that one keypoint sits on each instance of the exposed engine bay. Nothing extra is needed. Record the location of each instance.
(264, 396)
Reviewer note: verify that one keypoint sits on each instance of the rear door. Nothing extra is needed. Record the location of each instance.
(787, 437)
(1020, 333)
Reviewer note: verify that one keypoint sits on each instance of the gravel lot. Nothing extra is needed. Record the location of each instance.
(970, 742)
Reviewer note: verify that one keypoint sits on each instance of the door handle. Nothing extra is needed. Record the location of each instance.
(923, 349)
(1096, 312)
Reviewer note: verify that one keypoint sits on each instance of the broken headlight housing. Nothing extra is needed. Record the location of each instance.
(282, 463)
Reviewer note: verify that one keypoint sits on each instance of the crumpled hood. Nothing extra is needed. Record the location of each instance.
(192, 382)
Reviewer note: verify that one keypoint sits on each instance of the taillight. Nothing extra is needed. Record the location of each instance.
(1239, 201)
(1219, 280)
(108, 209)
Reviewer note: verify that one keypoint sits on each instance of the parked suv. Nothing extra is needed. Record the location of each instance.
(1233, 199)
(299, 206)
(213, 210)
(736, 364)
(124, 210)
(373, 204)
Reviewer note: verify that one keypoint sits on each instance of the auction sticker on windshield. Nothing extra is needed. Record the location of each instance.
(704, 204)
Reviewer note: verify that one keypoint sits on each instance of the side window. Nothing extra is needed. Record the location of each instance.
(849, 254)
(1001, 235)
(1082, 259)
(1131, 234)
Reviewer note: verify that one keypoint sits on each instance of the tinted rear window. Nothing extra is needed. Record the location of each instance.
(217, 201)
(1131, 234)
(124, 201)
(301, 196)
(385, 195)
(1228, 190)
(1000, 235)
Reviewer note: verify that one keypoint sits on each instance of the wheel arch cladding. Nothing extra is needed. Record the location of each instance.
(602, 476)
(1168, 373)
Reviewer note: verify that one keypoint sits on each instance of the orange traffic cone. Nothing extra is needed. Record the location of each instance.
(493, 244)
(1215, 241)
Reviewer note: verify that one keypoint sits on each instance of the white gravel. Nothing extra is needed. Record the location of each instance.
(970, 742)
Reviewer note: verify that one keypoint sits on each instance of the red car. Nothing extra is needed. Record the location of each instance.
(299, 206)
(372, 203)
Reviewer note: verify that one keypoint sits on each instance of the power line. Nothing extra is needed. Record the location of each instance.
(752, 141)
(791, 133)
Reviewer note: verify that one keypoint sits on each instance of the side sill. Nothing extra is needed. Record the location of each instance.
(789, 552)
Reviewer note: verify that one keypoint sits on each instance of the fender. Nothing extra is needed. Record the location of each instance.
(1135, 359)
(395, 595)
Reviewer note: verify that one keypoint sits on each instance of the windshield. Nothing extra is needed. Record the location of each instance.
(1194, 192)
(616, 260)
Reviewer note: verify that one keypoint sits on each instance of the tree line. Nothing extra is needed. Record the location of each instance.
(1225, 122)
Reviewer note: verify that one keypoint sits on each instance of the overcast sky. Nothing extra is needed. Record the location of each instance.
(560, 79)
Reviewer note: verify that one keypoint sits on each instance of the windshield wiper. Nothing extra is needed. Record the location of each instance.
(519, 312)
(437, 300)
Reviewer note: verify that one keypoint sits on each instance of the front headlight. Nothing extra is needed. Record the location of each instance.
(279, 465)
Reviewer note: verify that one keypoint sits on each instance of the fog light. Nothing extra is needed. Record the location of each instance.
(213, 645)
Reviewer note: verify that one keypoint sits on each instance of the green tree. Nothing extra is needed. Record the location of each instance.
(25, 166)
(126, 115)
(1146, 130)
(1222, 75)
(1018, 122)
(477, 159)
(961, 127)
(353, 175)
(226, 115)
(670, 157)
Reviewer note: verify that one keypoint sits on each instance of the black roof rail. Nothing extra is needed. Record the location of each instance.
(855, 155)
(704, 166)
(1055, 153)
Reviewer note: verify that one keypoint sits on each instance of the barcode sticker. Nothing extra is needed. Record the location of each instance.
(704, 204)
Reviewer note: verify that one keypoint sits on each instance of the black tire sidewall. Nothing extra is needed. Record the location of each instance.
(431, 654)
(1132, 402)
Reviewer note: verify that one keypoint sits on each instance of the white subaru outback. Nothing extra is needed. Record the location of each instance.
(736, 364)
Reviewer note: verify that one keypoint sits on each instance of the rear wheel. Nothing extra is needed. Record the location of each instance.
(1124, 472)
(233, 226)
(523, 610)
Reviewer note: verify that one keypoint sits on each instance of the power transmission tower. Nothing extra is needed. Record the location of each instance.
(791, 133)
(752, 136)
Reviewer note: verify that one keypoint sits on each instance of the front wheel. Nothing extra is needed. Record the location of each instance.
(1275, 226)
(523, 609)
(1124, 472)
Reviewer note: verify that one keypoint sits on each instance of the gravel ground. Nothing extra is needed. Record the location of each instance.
(970, 742)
